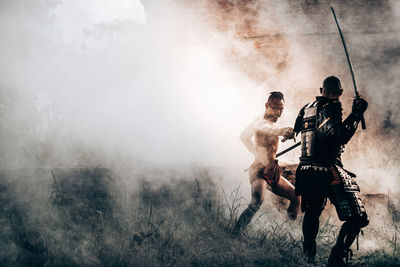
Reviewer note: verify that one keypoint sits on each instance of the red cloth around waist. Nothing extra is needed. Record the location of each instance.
(272, 175)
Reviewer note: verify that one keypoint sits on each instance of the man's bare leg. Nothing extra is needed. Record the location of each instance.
(285, 189)
(258, 187)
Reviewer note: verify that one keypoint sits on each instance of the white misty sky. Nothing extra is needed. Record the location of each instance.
(159, 88)
(158, 81)
(74, 17)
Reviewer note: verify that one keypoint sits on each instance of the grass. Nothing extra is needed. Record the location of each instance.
(87, 220)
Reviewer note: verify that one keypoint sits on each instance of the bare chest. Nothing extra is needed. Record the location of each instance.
(263, 136)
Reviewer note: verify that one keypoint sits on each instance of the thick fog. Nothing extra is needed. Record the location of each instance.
(89, 83)
(149, 83)
(116, 116)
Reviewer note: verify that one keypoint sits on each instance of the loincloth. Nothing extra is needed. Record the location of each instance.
(256, 171)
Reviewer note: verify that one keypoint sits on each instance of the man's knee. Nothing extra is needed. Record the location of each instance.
(312, 214)
(312, 208)
(256, 200)
(363, 220)
(359, 221)
(258, 188)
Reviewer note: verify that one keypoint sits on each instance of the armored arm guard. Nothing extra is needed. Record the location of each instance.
(350, 125)
(330, 126)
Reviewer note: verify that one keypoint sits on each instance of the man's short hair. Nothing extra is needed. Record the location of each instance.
(275, 95)
(332, 85)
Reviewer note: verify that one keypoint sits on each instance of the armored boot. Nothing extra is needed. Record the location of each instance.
(341, 252)
(309, 250)
(339, 257)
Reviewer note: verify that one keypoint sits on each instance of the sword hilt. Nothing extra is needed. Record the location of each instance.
(363, 126)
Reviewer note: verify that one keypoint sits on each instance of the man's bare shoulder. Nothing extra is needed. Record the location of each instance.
(251, 129)
(259, 121)
(262, 125)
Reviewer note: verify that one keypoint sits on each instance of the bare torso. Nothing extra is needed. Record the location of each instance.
(266, 144)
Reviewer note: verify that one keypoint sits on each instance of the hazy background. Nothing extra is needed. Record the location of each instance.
(137, 107)
(131, 84)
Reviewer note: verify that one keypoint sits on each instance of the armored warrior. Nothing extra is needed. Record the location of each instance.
(265, 168)
(320, 174)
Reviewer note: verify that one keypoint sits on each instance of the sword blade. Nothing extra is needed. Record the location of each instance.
(349, 63)
(288, 149)
(347, 53)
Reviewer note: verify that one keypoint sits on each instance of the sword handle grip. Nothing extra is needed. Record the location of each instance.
(363, 126)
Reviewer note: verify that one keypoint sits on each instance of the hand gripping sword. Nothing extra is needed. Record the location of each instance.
(350, 66)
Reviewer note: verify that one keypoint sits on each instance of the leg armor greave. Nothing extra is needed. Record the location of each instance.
(349, 205)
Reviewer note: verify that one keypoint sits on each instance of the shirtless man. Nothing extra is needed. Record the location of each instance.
(265, 168)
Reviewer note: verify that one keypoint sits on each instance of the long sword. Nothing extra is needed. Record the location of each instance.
(350, 65)
(288, 149)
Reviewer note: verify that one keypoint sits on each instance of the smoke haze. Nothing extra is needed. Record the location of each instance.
(175, 82)
(114, 94)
